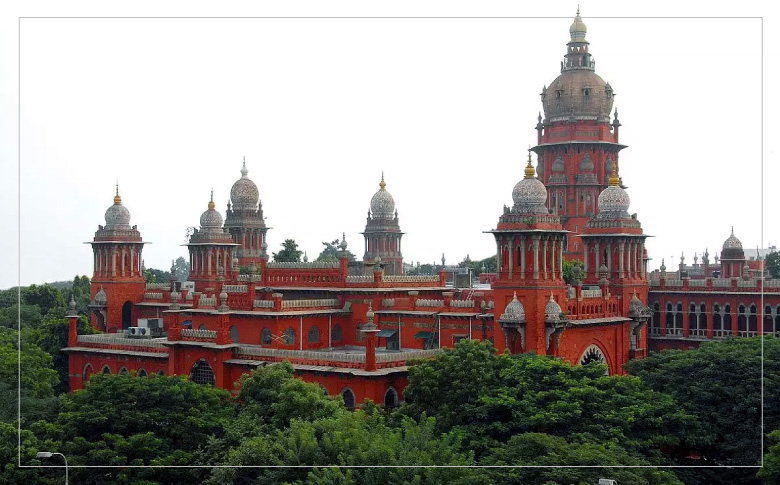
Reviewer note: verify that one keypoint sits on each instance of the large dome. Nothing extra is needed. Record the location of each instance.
(578, 93)
(244, 193)
(211, 220)
(530, 194)
(382, 203)
(117, 216)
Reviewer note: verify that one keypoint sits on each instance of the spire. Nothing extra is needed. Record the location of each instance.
(614, 180)
(117, 199)
(529, 169)
(244, 171)
(382, 182)
(211, 201)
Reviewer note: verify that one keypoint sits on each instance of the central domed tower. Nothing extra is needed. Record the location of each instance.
(383, 234)
(244, 220)
(577, 141)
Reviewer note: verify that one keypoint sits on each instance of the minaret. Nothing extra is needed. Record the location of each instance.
(383, 234)
(732, 257)
(244, 220)
(529, 250)
(211, 251)
(577, 144)
(117, 281)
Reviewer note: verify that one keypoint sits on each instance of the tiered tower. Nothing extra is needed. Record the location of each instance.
(577, 143)
(118, 279)
(529, 244)
(211, 252)
(383, 234)
(732, 258)
(244, 220)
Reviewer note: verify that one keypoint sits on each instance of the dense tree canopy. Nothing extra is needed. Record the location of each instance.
(332, 252)
(289, 252)
(772, 263)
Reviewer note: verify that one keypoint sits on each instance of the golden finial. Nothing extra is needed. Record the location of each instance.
(382, 183)
(117, 199)
(211, 202)
(529, 169)
(614, 180)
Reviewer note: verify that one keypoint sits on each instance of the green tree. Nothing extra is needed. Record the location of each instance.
(487, 265)
(45, 296)
(289, 253)
(80, 289)
(123, 419)
(770, 473)
(29, 316)
(182, 267)
(772, 264)
(332, 252)
(157, 276)
(720, 382)
(568, 270)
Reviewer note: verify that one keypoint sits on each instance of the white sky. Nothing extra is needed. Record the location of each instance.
(319, 107)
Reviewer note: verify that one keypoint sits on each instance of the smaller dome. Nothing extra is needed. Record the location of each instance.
(732, 242)
(370, 313)
(514, 312)
(558, 165)
(529, 194)
(578, 29)
(586, 165)
(100, 297)
(614, 200)
(343, 244)
(382, 203)
(552, 311)
(211, 220)
(117, 216)
(244, 193)
(635, 306)
(603, 268)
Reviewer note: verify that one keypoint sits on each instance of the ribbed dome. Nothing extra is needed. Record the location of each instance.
(211, 220)
(635, 306)
(514, 312)
(613, 201)
(100, 297)
(732, 248)
(382, 203)
(117, 216)
(732, 242)
(530, 194)
(244, 193)
(579, 93)
(552, 311)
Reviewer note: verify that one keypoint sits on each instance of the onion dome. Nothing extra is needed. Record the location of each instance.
(100, 297)
(635, 306)
(382, 203)
(514, 312)
(117, 216)
(244, 193)
(732, 248)
(663, 266)
(578, 29)
(211, 220)
(530, 193)
(343, 244)
(72, 307)
(552, 311)
(614, 200)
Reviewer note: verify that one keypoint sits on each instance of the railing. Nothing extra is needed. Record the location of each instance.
(207, 301)
(721, 333)
(388, 302)
(243, 277)
(654, 331)
(360, 279)
(751, 283)
(358, 358)
(721, 283)
(410, 278)
(747, 333)
(405, 355)
(330, 302)
(309, 265)
(697, 283)
(152, 296)
(263, 304)
(118, 339)
(654, 283)
(674, 283)
(674, 331)
(773, 283)
(430, 303)
(158, 286)
(595, 293)
(697, 332)
(462, 303)
(198, 333)
(234, 288)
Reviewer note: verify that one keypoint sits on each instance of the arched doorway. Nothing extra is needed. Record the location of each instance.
(391, 398)
(202, 373)
(594, 354)
(126, 315)
(349, 398)
(88, 371)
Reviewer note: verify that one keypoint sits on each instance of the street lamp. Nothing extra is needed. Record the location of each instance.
(48, 454)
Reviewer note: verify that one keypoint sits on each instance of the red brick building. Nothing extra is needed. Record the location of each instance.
(354, 333)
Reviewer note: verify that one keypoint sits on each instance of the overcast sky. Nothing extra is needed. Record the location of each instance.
(320, 107)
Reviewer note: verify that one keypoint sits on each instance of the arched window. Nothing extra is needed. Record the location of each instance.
(336, 334)
(593, 354)
(314, 334)
(265, 336)
(127, 310)
(123, 371)
(202, 326)
(141, 373)
(160, 373)
(106, 369)
(349, 398)
(289, 336)
(391, 398)
(87, 372)
(234, 334)
(202, 373)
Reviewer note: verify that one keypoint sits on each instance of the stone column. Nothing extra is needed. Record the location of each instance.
(621, 252)
(535, 243)
(208, 271)
(552, 259)
(560, 258)
(544, 258)
(113, 261)
(511, 257)
(585, 259)
(522, 258)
